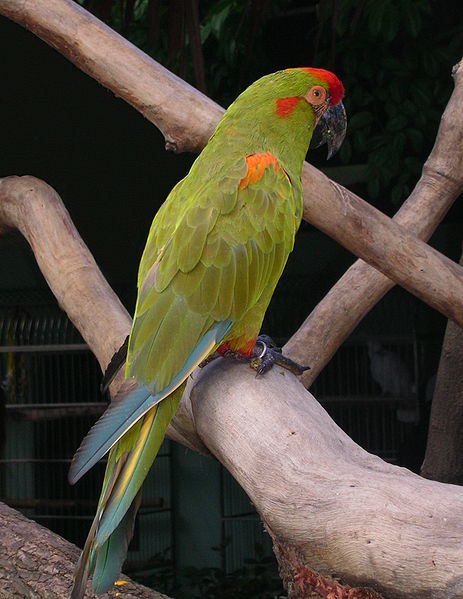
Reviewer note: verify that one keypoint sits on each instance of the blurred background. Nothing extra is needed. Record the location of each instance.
(197, 534)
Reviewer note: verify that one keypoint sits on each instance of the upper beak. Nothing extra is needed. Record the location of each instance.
(330, 129)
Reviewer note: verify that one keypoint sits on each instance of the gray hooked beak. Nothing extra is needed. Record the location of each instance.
(330, 129)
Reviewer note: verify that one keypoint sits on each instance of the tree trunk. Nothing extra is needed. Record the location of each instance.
(444, 452)
(36, 563)
(342, 521)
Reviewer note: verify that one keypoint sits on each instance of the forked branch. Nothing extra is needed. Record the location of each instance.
(334, 509)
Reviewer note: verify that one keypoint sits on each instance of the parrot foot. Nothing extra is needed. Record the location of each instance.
(266, 354)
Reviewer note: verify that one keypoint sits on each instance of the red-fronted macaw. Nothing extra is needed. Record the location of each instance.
(214, 254)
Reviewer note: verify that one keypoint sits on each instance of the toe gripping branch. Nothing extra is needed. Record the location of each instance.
(264, 355)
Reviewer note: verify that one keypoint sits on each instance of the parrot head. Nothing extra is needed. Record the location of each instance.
(324, 93)
(290, 109)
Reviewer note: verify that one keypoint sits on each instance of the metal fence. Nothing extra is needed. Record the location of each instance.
(50, 386)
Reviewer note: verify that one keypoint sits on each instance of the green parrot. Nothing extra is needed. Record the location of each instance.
(214, 254)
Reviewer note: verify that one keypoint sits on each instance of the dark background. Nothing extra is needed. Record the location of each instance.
(110, 168)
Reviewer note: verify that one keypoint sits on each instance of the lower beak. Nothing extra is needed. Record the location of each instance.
(330, 129)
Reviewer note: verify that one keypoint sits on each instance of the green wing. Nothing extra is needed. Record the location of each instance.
(212, 260)
(211, 255)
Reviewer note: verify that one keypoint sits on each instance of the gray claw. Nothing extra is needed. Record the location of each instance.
(265, 354)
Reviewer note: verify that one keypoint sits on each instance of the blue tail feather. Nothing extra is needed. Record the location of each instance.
(111, 555)
(122, 414)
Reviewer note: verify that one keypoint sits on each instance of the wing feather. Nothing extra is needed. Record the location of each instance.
(214, 264)
(137, 464)
(122, 414)
(177, 324)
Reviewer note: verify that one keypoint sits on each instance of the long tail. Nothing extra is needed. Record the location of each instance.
(130, 405)
(112, 528)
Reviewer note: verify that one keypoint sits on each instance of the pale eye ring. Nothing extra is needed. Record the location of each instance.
(316, 95)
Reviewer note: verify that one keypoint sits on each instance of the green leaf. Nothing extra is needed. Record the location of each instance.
(412, 18)
(360, 120)
(219, 17)
(376, 16)
(415, 137)
(408, 107)
(421, 93)
(375, 142)
(391, 23)
(373, 187)
(397, 123)
(205, 31)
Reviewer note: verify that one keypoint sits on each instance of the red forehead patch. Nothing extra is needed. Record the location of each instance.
(335, 87)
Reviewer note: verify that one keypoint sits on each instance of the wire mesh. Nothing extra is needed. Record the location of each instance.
(50, 386)
(371, 390)
(243, 534)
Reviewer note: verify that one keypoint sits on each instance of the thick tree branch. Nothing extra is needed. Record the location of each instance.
(36, 210)
(332, 509)
(443, 460)
(345, 512)
(362, 286)
(36, 563)
(185, 116)
(183, 113)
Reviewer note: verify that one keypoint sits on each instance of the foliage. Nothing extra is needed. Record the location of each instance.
(229, 32)
(398, 83)
(232, 38)
(397, 80)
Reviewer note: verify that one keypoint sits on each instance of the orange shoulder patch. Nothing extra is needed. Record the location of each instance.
(257, 163)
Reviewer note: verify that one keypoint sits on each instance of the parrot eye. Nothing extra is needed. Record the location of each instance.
(316, 95)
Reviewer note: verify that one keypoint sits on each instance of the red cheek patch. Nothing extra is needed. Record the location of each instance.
(285, 106)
